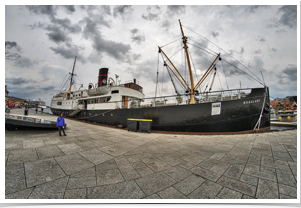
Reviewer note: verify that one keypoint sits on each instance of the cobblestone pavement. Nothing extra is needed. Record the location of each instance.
(96, 162)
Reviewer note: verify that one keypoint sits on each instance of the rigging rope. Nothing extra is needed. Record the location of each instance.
(242, 71)
(193, 66)
(219, 81)
(171, 42)
(225, 75)
(259, 81)
(157, 77)
(61, 86)
(205, 47)
(200, 55)
(175, 53)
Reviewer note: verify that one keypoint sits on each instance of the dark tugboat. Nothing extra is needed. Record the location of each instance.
(108, 102)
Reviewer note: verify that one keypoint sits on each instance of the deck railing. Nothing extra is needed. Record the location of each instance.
(180, 99)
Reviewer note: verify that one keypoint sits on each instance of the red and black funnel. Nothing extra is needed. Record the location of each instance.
(103, 77)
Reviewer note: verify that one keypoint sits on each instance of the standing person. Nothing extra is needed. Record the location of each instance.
(42, 110)
(36, 110)
(60, 123)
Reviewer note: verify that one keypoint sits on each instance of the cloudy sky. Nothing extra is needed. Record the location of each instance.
(41, 43)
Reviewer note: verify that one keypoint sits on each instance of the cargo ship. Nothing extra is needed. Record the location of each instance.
(110, 103)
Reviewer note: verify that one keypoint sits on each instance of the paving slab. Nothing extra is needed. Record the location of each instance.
(227, 193)
(189, 184)
(21, 156)
(154, 183)
(14, 178)
(237, 186)
(75, 194)
(33, 144)
(42, 171)
(24, 194)
(177, 173)
(171, 193)
(70, 148)
(124, 190)
(267, 190)
(110, 176)
(51, 190)
(128, 172)
(95, 156)
(73, 163)
(208, 190)
(52, 141)
(13, 145)
(286, 177)
(234, 171)
(288, 190)
(79, 183)
(206, 173)
(49, 151)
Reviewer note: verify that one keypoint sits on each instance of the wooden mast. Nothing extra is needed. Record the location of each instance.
(192, 101)
(72, 74)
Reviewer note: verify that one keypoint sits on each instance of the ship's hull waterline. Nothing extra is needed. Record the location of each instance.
(231, 115)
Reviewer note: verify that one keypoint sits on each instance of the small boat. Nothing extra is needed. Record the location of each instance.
(15, 121)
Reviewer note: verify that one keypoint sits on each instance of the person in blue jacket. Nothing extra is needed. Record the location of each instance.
(60, 123)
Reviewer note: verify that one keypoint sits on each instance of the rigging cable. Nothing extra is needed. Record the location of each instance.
(225, 75)
(193, 66)
(206, 47)
(200, 55)
(157, 77)
(231, 56)
(162, 80)
(215, 54)
(242, 71)
(219, 81)
(175, 53)
(171, 42)
(61, 86)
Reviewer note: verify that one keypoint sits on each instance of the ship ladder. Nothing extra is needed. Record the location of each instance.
(75, 112)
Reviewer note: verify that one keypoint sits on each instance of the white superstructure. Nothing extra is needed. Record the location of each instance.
(127, 95)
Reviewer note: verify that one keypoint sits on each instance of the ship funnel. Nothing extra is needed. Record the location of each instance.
(103, 77)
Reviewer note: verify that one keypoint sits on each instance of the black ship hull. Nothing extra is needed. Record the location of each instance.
(231, 116)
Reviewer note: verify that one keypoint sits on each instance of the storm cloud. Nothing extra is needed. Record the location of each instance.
(47, 10)
(173, 10)
(16, 57)
(11, 44)
(136, 36)
(67, 52)
(18, 81)
(290, 72)
(152, 13)
(116, 50)
(289, 16)
(122, 11)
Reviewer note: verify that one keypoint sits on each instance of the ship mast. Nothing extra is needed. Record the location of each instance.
(192, 101)
(72, 74)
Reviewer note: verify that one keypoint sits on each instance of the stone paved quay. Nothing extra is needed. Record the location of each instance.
(97, 162)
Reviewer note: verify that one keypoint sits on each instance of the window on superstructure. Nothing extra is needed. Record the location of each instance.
(115, 92)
